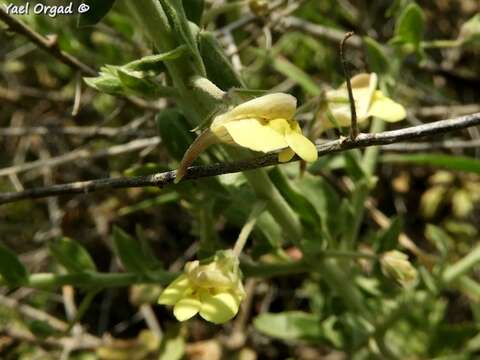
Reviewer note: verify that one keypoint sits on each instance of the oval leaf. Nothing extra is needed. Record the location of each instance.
(11, 269)
(72, 255)
(130, 252)
(290, 325)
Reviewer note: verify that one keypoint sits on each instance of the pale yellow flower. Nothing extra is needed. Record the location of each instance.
(213, 290)
(368, 102)
(263, 124)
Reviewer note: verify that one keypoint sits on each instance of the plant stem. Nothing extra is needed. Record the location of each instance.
(269, 270)
(276, 204)
(342, 284)
(349, 254)
(153, 19)
(370, 157)
(441, 44)
(97, 281)
(248, 227)
(82, 309)
(462, 266)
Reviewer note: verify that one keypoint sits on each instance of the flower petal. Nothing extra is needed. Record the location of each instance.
(186, 308)
(386, 109)
(175, 291)
(286, 155)
(255, 135)
(219, 308)
(364, 80)
(363, 89)
(271, 106)
(300, 144)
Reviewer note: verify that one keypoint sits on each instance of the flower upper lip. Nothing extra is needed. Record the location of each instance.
(267, 107)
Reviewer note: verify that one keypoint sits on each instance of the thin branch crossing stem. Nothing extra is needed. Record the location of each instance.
(197, 172)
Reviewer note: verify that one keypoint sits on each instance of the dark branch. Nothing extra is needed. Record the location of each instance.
(196, 172)
(49, 45)
(353, 112)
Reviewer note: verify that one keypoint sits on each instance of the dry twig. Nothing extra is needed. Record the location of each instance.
(49, 45)
(196, 172)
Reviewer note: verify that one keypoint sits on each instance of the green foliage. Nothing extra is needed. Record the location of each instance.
(71, 255)
(219, 68)
(450, 162)
(136, 77)
(376, 56)
(316, 273)
(470, 31)
(297, 325)
(11, 269)
(194, 10)
(174, 131)
(97, 10)
(131, 253)
(173, 345)
(387, 239)
(183, 31)
(410, 27)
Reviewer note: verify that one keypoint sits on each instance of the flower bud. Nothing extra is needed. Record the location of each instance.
(395, 265)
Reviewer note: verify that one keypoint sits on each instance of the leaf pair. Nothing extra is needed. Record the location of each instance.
(136, 77)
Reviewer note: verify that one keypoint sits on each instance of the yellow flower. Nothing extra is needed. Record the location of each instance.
(368, 102)
(263, 124)
(213, 290)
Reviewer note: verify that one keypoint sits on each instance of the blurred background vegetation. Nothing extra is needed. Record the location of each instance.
(422, 199)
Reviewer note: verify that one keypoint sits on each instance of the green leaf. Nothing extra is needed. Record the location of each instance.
(11, 269)
(72, 255)
(42, 329)
(450, 162)
(155, 62)
(183, 31)
(290, 325)
(121, 80)
(194, 10)
(296, 74)
(470, 31)
(324, 199)
(97, 10)
(173, 344)
(161, 199)
(387, 239)
(302, 206)
(409, 31)
(439, 238)
(376, 57)
(235, 206)
(175, 132)
(219, 68)
(147, 250)
(130, 252)
(133, 80)
(353, 164)
(106, 83)
(410, 26)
